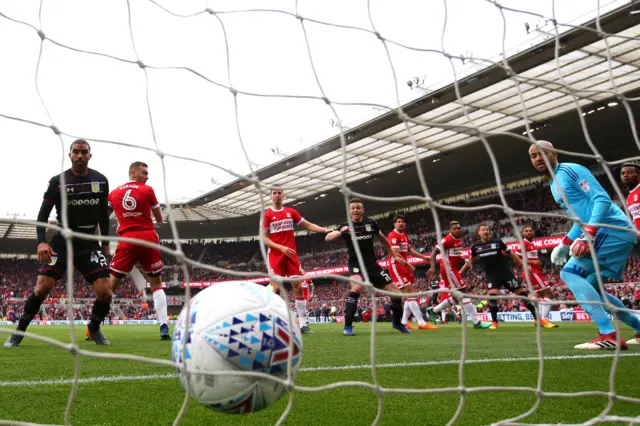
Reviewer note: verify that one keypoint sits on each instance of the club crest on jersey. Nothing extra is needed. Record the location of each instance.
(584, 185)
(288, 214)
(95, 186)
(368, 228)
(493, 246)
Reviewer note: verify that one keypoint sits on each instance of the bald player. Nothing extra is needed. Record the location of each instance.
(590, 202)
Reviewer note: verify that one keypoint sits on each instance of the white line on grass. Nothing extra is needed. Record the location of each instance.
(25, 383)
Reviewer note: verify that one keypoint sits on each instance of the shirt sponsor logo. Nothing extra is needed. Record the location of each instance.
(363, 237)
(85, 202)
(281, 226)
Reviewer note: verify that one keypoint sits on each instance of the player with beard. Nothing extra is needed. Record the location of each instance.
(578, 192)
(365, 230)
(543, 292)
(492, 256)
(403, 275)
(279, 237)
(87, 210)
(452, 275)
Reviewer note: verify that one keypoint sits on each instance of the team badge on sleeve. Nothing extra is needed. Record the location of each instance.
(584, 185)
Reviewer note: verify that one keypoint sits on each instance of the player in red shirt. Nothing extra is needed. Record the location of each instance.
(403, 275)
(450, 273)
(630, 177)
(133, 204)
(279, 225)
(543, 291)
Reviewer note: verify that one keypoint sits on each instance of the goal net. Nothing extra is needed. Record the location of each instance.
(422, 108)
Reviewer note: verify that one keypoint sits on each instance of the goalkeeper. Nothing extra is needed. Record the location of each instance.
(591, 203)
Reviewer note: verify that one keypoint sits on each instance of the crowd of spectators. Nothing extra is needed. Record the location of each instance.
(18, 276)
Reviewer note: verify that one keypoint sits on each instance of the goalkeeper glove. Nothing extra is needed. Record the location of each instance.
(561, 252)
(580, 247)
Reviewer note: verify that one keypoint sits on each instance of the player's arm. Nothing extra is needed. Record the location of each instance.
(103, 222)
(387, 245)
(156, 210)
(417, 254)
(468, 264)
(514, 257)
(314, 228)
(288, 251)
(432, 261)
(44, 251)
(334, 235)
(582, 182)
(533, 262)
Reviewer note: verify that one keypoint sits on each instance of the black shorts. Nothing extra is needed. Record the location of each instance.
(88, 258)
(510, 283)
(378, 276)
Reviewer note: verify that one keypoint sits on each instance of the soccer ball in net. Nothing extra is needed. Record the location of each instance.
(235, 327)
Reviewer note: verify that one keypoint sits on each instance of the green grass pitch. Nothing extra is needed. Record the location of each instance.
(422, 360)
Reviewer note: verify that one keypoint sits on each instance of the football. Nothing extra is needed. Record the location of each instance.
(236, 327)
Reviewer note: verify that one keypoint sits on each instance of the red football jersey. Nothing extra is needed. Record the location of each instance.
(532, 256)
(633, 203)
(400, 241)
(132, 204)
(452, 251)
(280, 224)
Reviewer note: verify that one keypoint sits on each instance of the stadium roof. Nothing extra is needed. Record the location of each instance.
(380, 157)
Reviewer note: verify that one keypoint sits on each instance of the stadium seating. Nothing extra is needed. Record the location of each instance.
(18, 276)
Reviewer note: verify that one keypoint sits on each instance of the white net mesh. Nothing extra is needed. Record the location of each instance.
(566, 82)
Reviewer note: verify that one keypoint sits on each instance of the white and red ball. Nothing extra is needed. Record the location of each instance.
(239, 327)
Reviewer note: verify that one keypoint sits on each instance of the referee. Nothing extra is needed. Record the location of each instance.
(87, 192)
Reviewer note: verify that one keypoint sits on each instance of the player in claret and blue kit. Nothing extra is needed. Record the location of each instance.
(87, 210)
(577, 191)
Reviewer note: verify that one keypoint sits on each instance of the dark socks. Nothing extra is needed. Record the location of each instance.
(98, 314)
(31, 308)
(396, 309)
(350, 308)
(493, 308)
(532, 309)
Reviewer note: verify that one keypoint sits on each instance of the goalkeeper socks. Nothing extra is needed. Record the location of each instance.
(396, 310)
(626, 317)
(301, 308)
(350, 308)
(545, 307)
(406, 312)
(31, 308)
(471, 309)
(160, 305)
(531, 309)
(415, 309)
(584, 292)
(493, 308)
(98, 314)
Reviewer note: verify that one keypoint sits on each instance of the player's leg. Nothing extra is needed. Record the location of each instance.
(301, 307)
(414, 308)
(44, 284)
(351, 303)
(382, 280)
(574, 274)
(612, 258)
(493, 305)
(152, 265)
(46, 280)
(93, 265)
(521, 291)
(545, 295)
